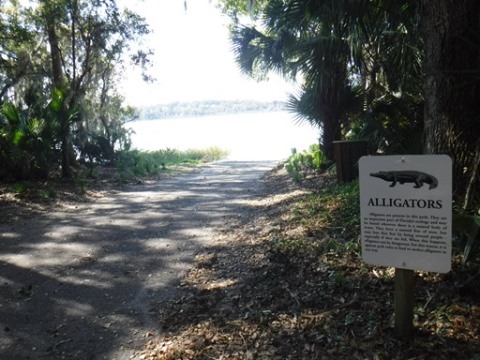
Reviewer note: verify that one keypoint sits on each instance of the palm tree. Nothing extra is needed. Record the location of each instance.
(344, 51)
(302, 40)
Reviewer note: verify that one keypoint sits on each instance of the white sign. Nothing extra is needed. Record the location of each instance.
(406, 211)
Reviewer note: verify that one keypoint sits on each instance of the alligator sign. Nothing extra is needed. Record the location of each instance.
(417, 177)
(406, 211)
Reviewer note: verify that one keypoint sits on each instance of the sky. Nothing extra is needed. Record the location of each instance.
(193, 60)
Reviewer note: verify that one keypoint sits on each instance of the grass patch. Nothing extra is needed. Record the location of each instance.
(136, 163)
(325, 222)
(334, 211)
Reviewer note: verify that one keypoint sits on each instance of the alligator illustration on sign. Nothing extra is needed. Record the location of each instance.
(409, 176)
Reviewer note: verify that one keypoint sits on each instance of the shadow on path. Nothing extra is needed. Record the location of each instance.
(82, 283)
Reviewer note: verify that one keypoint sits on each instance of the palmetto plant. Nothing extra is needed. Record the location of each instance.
(392, 125)
(26, 145)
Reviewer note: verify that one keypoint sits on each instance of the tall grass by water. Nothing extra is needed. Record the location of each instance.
(137, 163)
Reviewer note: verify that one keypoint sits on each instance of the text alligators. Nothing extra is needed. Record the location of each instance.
(406, 203)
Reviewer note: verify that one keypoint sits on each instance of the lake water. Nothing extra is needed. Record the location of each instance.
(250, 136)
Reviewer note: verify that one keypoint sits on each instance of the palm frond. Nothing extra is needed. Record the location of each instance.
(303, 105)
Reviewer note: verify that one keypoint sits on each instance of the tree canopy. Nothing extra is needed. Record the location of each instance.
(59, 66)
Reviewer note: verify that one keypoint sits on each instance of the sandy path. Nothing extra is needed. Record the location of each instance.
(86, 282)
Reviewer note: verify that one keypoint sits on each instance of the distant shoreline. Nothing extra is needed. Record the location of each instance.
(207, 108)
(269, 135)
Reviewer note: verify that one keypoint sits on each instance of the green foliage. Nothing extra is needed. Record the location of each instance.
(347, 53)
(206, 155)
(330, 221)
(300, 164)
(335, 211)
(61, 60)
(135, 163)
(392, 125)
(23, 187)
(467, 229)
(235, 8)
(34, 191)
(96, 148)
(26, 144)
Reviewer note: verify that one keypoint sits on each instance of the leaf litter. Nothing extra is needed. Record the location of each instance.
(282, 283)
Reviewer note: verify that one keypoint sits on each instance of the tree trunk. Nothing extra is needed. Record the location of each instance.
(59, 83)
(55, 56)
(332, 104)
(330, 133)
(452, 84)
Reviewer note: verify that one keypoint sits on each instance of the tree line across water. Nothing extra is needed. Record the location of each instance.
(207, 107)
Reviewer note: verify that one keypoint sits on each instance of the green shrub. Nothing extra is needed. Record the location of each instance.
(136, 163)
(300, 164)
(34, 191)
(23, 188)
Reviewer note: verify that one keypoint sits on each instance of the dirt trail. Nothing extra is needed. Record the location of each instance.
(83, 283)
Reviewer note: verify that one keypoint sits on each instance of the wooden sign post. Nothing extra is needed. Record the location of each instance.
(404, 301)
(406, 217)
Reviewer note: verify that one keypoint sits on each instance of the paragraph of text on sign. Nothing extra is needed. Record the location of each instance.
(405, 232)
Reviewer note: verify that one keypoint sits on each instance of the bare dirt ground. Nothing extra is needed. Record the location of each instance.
(89, 280)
